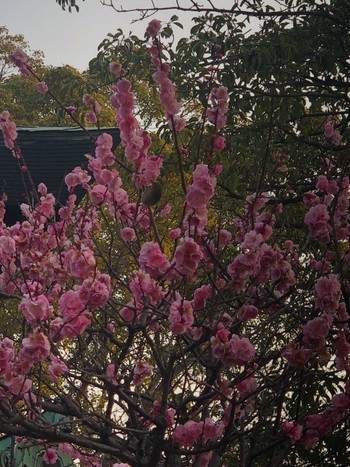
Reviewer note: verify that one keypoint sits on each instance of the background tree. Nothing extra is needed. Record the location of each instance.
(19, 94)
(8, 42)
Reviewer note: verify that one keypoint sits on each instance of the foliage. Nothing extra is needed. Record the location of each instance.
(214, 331)
(71, 4)
(283, 78)
(19, 95)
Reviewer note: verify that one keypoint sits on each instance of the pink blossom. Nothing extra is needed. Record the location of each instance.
(329, 129)
(95, 292)
(142, 370)
(187, 257)
(217, 113)
(310, 199)
(91, 117)
(247, 312)
(296, 355)
(50, 457)
(202, 188)
(128, 234)
(81, 263)
(110, 327)
(342, 346)
(180, 316)
(188, 434)
(42, 87)
(201, 295)
(36, 309)
(322, 183)
(69, 328)
(211, 430)
(18, 55)
(165, 210)
(170, 414)
(128, 312)
(327, 293)
(177, 123)
(99, 194)
(70, 109)
(341, 402)
(319, 422)
(18, 385)
(144, 288)
(151, 171)
(195, 221)
(219, 143)
(293, 430)
(7, 245)
(7, 355)
(175, 233)
(240, 350)
(103, 151)
(317, 220)
(56, 369)
(217, 169)
(225, 237)
(242, 267)
(263, 229)
(20, 59)
(8, 129)
(336, 138)
(310, 439)
(70, 304)
(247, 386)
(77, 177)
(252, 240)
(35, 347)
(236, 351)
(109, 178)
(88, 99)
(115, 68)
(153, 27)
(316, 328)
(104, 141)
(167, 91)
(196, 332)
(153, 260)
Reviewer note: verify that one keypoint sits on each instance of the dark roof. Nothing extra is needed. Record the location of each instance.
(49, 153)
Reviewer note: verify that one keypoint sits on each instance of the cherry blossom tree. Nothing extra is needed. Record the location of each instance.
(193, 334)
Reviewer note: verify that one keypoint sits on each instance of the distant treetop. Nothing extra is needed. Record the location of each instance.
(68, 3)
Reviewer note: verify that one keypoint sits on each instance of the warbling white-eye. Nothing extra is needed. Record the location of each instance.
(152, 194)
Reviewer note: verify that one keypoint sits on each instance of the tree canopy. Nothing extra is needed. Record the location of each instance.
(194, 308)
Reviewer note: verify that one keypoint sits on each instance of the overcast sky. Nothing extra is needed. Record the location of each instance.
(71, 38)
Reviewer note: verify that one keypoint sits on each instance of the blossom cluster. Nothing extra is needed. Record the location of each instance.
(8, 129)
(171, 333)
(167, 91)
(331, 133)
(136, 141)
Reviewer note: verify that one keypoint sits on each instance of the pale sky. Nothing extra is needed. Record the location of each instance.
(72, 38)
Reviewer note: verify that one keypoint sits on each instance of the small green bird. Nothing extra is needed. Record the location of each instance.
(152, 194)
